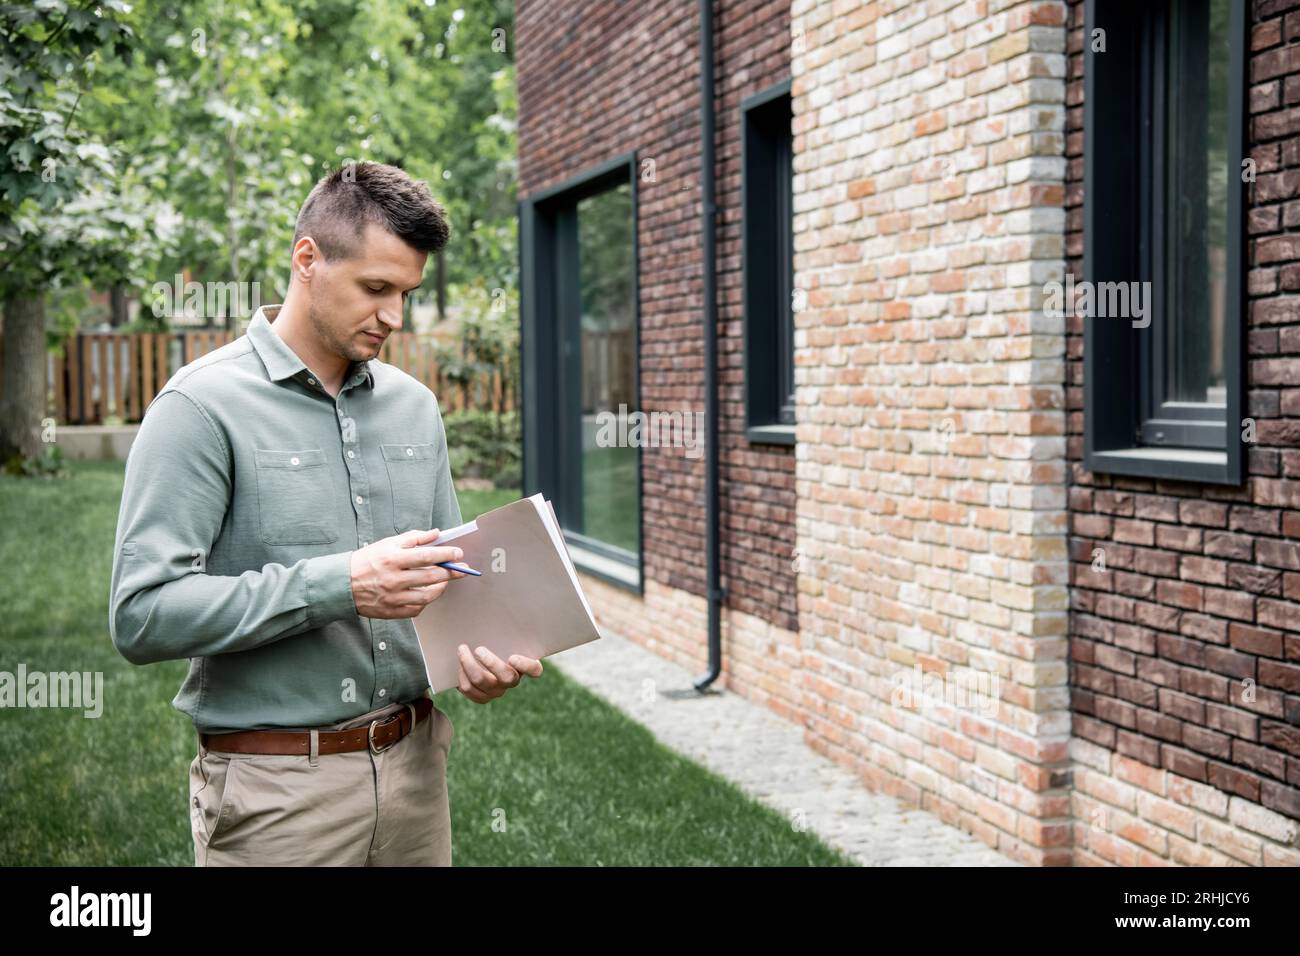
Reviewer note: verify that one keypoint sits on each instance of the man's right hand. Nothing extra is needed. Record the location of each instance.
(396, 577)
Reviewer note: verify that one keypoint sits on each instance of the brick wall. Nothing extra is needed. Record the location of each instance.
(945, 524)
(1201, 592)
(752, 47)
(600, 79)
(597, 80)
(929, 190)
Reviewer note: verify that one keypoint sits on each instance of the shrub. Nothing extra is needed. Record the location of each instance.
(482, 444)
(50, 463)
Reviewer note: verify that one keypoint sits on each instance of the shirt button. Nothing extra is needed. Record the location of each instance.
(351, 453)
(382, 692)
(410, 451)
(360, 500)
(293, 461)
(311, 381)
(383, 645)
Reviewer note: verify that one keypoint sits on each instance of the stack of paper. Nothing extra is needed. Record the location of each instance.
(528, 601)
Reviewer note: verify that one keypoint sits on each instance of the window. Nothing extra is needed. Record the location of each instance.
(768, 256)
(579, 345)
(601, 365)
(1164, 238)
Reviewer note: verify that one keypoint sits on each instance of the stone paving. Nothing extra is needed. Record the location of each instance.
(767, 757)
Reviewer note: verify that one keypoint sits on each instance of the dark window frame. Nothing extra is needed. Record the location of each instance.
(545, 220)
(1122, 385)
(767, 233)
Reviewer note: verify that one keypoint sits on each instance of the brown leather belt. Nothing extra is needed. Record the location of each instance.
(382, 733)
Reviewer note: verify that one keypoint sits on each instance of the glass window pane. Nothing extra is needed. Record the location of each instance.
(1196, 200)
(785, 264)
(608, 356)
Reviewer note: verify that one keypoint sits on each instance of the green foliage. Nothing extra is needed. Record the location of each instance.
(489, 345)
(139, 140)
(50, 463)
(145, 321)
(491, 330)
(66, 301)
(234, 109)
(484, 444)
(606, 266)
(212, 129)
(69, 205)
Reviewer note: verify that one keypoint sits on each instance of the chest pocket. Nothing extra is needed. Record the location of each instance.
(411, 477)
(295, 497)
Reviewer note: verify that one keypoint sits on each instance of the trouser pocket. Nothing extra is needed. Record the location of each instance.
(212, 793)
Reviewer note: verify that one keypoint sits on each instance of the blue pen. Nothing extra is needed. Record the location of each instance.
(462, 568)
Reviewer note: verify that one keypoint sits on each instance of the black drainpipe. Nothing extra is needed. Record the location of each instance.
(711, 548)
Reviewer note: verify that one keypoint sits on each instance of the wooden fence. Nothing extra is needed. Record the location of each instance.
(103, 374)
(608, 369)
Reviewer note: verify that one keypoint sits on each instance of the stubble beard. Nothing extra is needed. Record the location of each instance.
(326, 333)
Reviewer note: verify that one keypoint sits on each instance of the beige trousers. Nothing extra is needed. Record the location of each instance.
(346, 809)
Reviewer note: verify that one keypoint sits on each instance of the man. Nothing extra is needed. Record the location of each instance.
(275, 524)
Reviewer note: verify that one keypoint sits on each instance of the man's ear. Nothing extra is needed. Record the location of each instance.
(306, 256)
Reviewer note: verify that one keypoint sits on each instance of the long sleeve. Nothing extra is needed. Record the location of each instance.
(446, 507)
(163, 604)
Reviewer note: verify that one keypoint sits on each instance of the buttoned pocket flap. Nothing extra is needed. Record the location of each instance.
(296, 497)
(306, 458)
(413, 452)
(412, 478)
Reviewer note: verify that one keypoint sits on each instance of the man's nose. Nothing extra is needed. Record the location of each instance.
(390, 313)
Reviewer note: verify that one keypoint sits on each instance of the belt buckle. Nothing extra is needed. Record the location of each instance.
(375, 723)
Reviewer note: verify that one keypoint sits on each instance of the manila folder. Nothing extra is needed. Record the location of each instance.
(528, 601)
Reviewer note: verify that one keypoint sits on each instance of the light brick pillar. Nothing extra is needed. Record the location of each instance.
(928, 200)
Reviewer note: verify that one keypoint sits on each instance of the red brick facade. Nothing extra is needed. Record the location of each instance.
(1185, 652)
(596, 81)
(945, 523)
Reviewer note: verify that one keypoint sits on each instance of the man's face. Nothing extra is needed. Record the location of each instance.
(354, 304)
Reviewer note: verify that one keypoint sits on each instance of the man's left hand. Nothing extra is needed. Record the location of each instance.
(484, 676)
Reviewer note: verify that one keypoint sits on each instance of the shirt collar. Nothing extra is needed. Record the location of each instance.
(283, 362)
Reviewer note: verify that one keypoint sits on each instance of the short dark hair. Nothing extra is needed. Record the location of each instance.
(335, 212)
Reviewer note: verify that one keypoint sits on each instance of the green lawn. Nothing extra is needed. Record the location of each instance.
(576, 781)
(474, 503)
(609, 500)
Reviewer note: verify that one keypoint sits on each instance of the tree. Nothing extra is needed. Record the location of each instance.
(208, 105)
(243, 104)
(201, 125)
(66, 209)
(429, 87)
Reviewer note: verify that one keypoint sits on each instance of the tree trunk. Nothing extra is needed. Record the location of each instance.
(465, 376)
(118, 316)
(231, 323)
(440, 283)
(22, 404)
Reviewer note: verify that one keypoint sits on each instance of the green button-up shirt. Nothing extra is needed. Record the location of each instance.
(247, 488)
